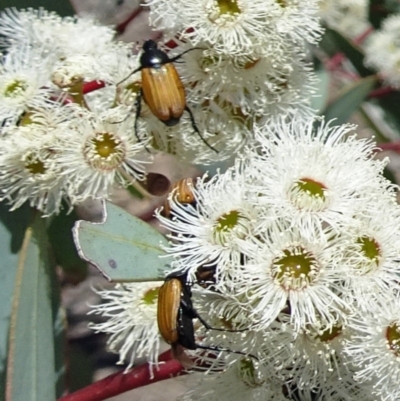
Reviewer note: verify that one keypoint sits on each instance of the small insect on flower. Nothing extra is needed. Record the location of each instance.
(175, 314)
(183, 193)
(162, 88)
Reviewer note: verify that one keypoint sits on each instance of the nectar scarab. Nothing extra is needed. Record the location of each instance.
(182, 191)
(162, 88)
(175, 314)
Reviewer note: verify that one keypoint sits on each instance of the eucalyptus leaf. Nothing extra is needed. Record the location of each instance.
(31, 358)
(12, 229)
(123, 247)
(319, 99)
(389, 105)
(62, 243)
(388, 174)
(349, 99)
(351, 51)
(378, 11)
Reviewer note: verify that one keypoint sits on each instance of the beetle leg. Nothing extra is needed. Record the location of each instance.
(192, 313)
(196, 129)
(211, 348)
(138, 105)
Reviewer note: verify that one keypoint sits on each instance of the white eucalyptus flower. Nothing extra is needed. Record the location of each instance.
(130, 311)
(349, 17)
(299, 266)
(208, 233)
(338, 386)
(55, 36)
(241, 26)
(245, 380)
(374, 348)
(262, 85)
(29, 169)
(98, 152)
(316, 175)
(382, 51)
(372, 259)
(24, 83)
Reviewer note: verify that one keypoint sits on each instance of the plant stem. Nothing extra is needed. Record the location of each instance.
(121, 382)
(92, 86)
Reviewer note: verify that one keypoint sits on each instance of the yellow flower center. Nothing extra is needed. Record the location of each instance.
(370, 248)
(150, 296)
(311, 187)
(393, 337)
(35, 166)
(296, 269)
(106, 145)
(104, 151)
(230, 224)
(228, 221)
(308, 194)
(228, 7)
(15, 88)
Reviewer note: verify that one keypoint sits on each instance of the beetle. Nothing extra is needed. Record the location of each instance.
(175, 314)
(183, 191)
(162, 88)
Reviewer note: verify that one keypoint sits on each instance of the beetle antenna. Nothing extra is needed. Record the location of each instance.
(196, 129)
(129, 75)
(208, 327)
(173, 59)
(211, 348)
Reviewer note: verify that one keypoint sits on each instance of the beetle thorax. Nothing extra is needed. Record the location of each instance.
(154, 59)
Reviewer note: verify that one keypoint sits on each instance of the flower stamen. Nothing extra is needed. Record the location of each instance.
(296, 269)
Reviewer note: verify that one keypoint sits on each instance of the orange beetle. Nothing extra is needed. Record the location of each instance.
(175, 314)
(162, 88)
(183, 191)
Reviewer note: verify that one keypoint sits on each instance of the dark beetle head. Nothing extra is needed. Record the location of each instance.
(152, 57)
(149, 45)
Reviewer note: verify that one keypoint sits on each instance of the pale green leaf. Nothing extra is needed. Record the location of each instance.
(122, 247)
(319, 99)
(31, 359)
(12, 229)
(349, 99)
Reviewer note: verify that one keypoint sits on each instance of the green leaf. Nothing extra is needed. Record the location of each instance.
(319, 99)
(377, 12)
(62, 242)
(349, 99)
(135, 192)
(122, 247)
(31, 358)
(334, 40)
(12, 229)
(389, 105)
(388, 174)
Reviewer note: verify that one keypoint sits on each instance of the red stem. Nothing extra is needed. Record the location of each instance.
(120, 382)
(123, 25)
(92, 86)
(359, 39)
(394, 146)
(381, 92)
